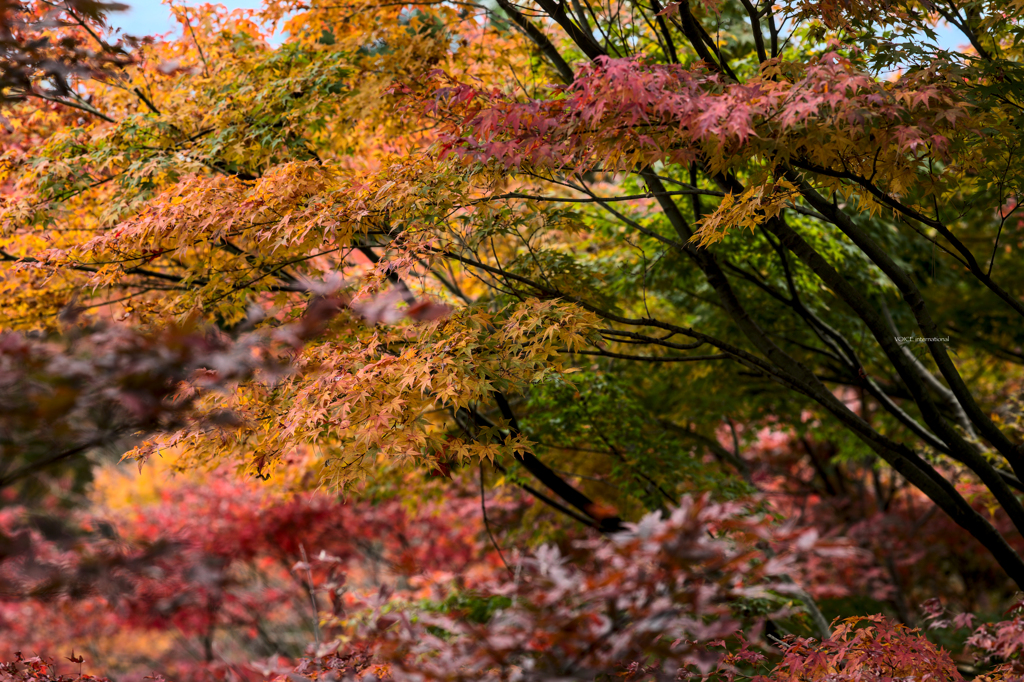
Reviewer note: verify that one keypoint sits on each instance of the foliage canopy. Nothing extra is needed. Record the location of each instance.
(595, 249)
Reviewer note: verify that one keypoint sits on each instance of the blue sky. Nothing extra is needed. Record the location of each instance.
(149, 17)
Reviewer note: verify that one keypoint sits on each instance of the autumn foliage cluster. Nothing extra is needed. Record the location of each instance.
(450, 341)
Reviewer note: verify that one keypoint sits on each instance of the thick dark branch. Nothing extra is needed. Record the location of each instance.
(530, 462)
(958, 447)
(547, 48)
(548, 476)
(901, 458)
(647, 358)
(670, 46)
(953, 17)
(969, 259)
(583, 40)
(918, 307)
(846, 354)
(36, 467)
(755, 27)
(68, 103)
(711, 444)
(905, 461)
(550, 479)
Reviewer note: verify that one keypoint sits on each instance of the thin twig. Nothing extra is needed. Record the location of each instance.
(312, 595)
(487, 524)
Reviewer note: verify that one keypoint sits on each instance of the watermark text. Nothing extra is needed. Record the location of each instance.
(904, 340)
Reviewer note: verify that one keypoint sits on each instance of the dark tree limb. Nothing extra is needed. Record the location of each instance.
(545, 45)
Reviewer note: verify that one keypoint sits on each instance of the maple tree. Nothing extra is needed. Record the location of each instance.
(232, 567)
(589, 251)
(192, 576)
